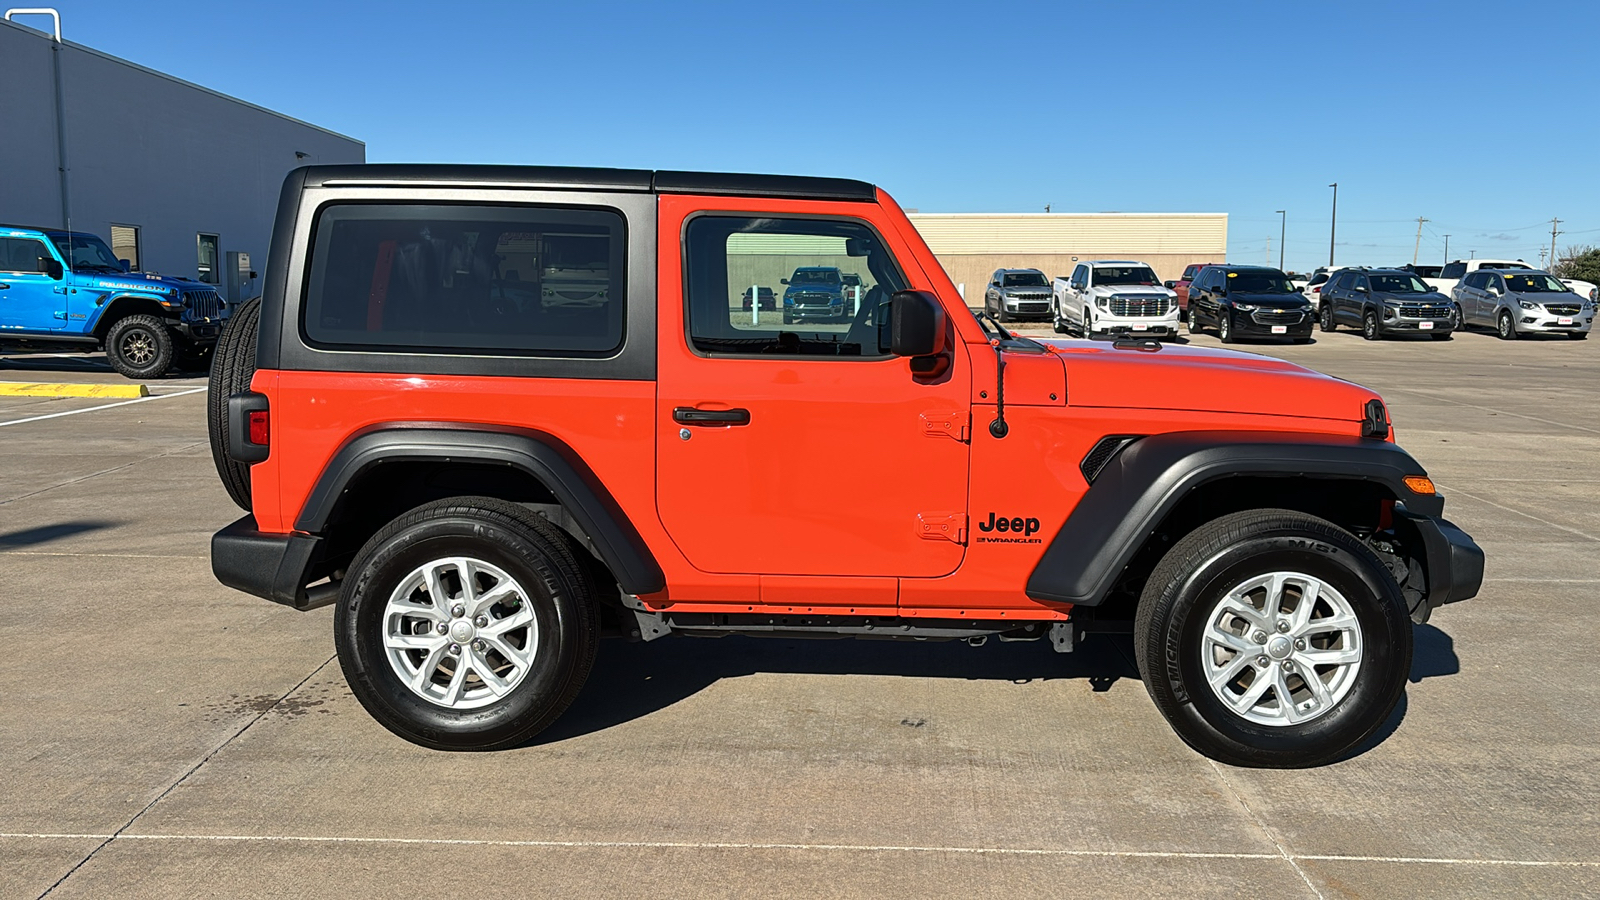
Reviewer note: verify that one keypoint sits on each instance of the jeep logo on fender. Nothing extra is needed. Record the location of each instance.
(1022, 529)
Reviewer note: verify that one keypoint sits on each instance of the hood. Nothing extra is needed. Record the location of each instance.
(1202, 379)
(139, 281)
(1027, 289)
(1431, 298)
(1131, 290)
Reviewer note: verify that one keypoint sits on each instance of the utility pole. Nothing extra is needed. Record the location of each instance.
(1283, 231)
(1553, 233)
(1333, 222)
(1269, 249)
(1447, 249)
(1418, 247)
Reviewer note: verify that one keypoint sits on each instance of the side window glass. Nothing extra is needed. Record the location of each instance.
(21, 255)
(1080, 277)
(1453, 270)
(1361, 282)
(832, 280)
(506, 279)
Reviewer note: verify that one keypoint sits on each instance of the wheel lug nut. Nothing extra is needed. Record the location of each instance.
(1300, 644)
(455, 649)
(1261, 637)
(441, 628)
(479, 646)
(1263, 661)
(458, 610)
(1283, 625)
(1288, 666)
(481, 621)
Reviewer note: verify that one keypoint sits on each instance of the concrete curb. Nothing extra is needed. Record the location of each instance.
(41, 389)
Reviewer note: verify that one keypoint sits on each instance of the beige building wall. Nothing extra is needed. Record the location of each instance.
(971, 246)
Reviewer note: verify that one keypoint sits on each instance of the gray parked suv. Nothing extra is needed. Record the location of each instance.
(1522, 301)
(1382, 302)
(1014, 293)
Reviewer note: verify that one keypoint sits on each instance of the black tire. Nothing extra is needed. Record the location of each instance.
(1457, 321)
(1225, 327)
(1000, 311)
(787, 318)
(1192, 320)
(139, 347)
(1443, 336)
(1505, 326)
(1578, 335)
(1057, 324)
(1326, 321)
(233, 364)
(558, 592)
(1370, 328)
(1212, 560)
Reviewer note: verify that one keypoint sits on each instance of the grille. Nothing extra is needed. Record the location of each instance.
(1278, 316)
(1138, 306)
(1563, 309)
(1430, 311)
(202, 304)
(1028, 295)
(815, 299)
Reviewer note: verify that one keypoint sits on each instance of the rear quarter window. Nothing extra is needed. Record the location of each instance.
(518, 280)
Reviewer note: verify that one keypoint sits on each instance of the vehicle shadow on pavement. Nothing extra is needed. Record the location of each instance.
(1433, 656)
(94, 364)
(44, 534)
(632, 680)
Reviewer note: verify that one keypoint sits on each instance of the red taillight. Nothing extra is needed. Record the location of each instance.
(260, 427)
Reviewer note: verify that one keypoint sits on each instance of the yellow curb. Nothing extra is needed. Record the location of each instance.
(27, 389)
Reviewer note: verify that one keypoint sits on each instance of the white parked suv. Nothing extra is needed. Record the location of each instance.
(1453, 272)
(1114, 297)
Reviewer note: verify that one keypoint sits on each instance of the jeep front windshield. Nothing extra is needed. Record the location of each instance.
(87, 252)
(1398, 284)
(1025, 279)
(1104, 275)
(1259, 282)
(1534, 283)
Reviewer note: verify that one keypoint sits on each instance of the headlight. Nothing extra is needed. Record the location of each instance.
(1102, 302)
(1527, 304)
(1246, 307)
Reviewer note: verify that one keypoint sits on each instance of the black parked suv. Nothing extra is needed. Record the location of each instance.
(1248, 301)
(1382, 302)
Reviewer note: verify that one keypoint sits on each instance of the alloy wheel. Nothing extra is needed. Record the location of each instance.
(138, 347)
(459, 632)
(1281, 649)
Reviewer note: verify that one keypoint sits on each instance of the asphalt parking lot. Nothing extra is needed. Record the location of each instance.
(165, 736)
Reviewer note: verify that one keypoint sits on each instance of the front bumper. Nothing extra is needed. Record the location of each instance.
(1161, 325)
(271, 566)
(1542, 320)
(1260, 323)
(798, 313)
(1026, 306)
(203, 332)
(1453, 562)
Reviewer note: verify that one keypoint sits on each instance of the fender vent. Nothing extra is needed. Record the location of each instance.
(1104, 451)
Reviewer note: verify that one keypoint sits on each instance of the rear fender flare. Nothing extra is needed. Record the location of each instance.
(543, 456)
(1137, 489)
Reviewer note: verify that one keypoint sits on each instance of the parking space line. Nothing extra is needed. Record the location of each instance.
(1456, 490)
(1432, 396)
(821, 848)
(116, 468)
(1282, 850)
(73, 412)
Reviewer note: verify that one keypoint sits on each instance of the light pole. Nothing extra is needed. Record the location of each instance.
(1283, 229)
(1333, 222)
(1447, 249)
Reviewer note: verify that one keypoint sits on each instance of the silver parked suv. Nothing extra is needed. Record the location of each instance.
(1017, 293)
(1522, 301)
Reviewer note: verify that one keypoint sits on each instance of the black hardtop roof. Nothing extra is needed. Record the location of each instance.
(1242, 268)
(590, 179)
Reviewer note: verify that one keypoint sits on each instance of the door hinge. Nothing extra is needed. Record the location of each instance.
(943, 527)
(956, 425)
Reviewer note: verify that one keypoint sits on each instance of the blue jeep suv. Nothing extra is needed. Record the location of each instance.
(59, 287)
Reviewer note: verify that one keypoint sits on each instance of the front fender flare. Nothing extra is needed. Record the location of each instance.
(1136, 490)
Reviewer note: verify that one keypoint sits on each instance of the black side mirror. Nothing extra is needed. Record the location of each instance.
(917, 324)
(126, 266)
(51, 266)
(1169, 285)
(783, 281)
(1361, 289)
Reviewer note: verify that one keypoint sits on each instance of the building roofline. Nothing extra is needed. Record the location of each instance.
(45, 36)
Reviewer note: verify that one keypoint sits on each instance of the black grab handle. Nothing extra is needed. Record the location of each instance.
(688, 415)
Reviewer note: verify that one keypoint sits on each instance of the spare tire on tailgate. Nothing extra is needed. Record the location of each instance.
(233, 364)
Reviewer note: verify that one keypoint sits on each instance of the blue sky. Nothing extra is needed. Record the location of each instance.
(1480, 117)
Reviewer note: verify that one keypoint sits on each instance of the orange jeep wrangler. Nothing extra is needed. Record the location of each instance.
(493, 413)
